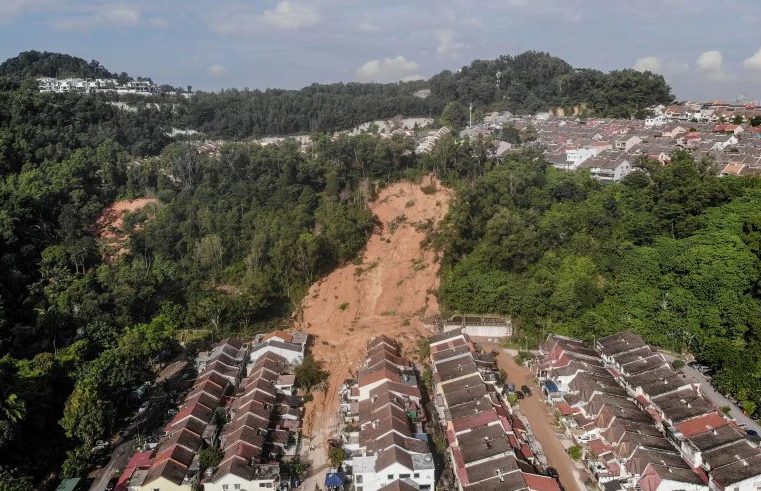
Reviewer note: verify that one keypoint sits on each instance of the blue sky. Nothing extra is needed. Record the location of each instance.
(704, 48)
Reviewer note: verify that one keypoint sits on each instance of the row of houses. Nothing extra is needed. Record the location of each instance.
(174, 464)
(488, 445)
(92, 86)
(642, 425)
(708, 112)
(242, 402)
(384, 439)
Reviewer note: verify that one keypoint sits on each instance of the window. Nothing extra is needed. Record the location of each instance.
(416, 475)
(358, 479)
(225, 486)
(390, 477)
(236, 486)
(358, 488)
(404, 476)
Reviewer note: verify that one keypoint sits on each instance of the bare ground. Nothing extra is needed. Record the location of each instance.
(109, 225)
(392, 292)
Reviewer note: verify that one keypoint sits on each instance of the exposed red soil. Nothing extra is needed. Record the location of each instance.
(109, 226)
(392, 292)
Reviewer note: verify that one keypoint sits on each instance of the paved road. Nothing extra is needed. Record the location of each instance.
(541, 420)
(119, 459)
(715, 397)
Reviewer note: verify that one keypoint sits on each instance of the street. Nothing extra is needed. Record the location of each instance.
(541, 419)
(119, 459)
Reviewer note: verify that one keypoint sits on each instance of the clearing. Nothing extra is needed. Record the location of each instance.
(391, 292)
(110, 225)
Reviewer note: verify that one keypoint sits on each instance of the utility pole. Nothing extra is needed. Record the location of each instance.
(470, 115)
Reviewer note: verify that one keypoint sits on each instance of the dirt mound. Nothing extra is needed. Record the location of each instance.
(391, 292)
(109, 225)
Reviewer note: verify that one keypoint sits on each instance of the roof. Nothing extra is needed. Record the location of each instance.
(334, 479)
(168, 469)
(69, 484)
(536, 482)
(400, 485)
(701, 424)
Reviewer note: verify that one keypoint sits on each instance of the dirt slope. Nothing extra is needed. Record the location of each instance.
(392, 292)
(110, 225)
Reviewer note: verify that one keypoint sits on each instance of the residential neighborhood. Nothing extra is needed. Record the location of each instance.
(640, 423)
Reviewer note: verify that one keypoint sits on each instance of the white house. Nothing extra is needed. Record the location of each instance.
(293, 353)
(236, 474)
(610, 170)
(655, 121)
(373, 472)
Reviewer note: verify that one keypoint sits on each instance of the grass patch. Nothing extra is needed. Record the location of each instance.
(344, 306)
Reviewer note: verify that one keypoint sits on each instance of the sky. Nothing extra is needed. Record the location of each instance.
(706, 49)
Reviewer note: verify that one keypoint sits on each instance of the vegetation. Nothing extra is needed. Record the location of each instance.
(575, 452)
(672, 253)
(310, 374)
(337, 456)
(210, 457)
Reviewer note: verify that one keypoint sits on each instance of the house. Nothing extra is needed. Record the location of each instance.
(655, 121)
(373, 472)
(292, 352)
(236, 473)
(608, 168)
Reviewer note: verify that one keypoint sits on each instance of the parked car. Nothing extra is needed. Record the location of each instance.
(552, 472)
(520, 394)
(526, 389)
(111, 484)
(143, 407)
(751, 432)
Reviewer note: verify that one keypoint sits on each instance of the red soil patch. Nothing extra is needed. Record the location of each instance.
(391, 293)
(110, 226)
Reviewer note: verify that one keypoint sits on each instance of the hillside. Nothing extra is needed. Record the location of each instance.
(46, 64)
(391, 291)
(525, 83)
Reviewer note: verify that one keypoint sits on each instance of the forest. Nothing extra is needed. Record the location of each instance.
(672, 253)
(527, 83)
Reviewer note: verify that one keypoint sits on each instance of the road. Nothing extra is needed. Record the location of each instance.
(119, 459)
(715, 397)
(541, 419)
(315, 451)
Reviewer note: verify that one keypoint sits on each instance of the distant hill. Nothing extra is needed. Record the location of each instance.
(46, 64)
(535, 81)
(524, 84)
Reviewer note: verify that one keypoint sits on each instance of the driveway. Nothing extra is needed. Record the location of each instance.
(541, 419)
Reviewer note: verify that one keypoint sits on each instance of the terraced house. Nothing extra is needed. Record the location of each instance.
(642, 425)
(488, 447)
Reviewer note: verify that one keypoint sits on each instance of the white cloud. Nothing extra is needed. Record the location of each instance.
(13, 8)
(754, 62)
(290, 15)
(242, 19)
(217, 70)
(649, 64)
(389, 70)
(711, 63)
(101, 16)
(446, 43)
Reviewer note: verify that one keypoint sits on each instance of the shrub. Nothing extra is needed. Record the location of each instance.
(575, 452)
